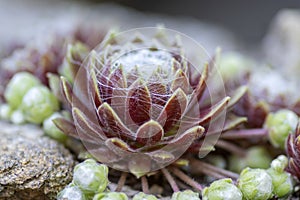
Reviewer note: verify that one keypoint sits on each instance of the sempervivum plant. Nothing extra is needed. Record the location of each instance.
(267, 94)
(138, 104)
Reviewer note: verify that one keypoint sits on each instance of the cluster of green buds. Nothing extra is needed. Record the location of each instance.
(280, 124)
(89, 179)
(254, 184)
(260, 184)
(28, 100)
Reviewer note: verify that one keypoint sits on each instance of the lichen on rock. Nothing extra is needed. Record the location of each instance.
(32, 166)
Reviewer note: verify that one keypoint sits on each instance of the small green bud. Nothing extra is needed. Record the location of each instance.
(111, 196)
(71, 192)
(185, 195)
(17, 117)
(5, 112)
(282, 182)
(280, 125)
(51, 129)
(232, 65)
(90, 176)
(258, 157)
(237, 163)
(280, 163)
(18, 86)
(223, 189)
(143, 196)
(255, 184)
(38, 104)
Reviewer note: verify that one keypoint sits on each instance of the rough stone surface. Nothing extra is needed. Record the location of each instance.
(31, 166)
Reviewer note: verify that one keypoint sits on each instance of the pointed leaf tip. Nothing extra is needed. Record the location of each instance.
(149, 133)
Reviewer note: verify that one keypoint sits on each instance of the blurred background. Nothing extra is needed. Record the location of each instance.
(232, 24)
(249, 20)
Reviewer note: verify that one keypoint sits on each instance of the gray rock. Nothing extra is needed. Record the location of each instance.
(32, 166)
(282, 43)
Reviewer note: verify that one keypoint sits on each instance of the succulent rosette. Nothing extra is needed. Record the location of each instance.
(138, 102)
(268, 92)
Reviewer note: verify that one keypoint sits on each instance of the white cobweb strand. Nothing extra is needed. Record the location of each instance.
(146, 60)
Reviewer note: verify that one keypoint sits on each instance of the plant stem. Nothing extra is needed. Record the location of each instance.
(170, 179)
(197, 165)
(231, 148)
(186, 179)
(245, 134)
(121, 181)
(145, 185)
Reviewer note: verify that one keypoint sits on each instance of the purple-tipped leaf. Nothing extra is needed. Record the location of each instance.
(86, 125)
(214, 111)
(173, 112)
(112, 123)
(139, 103)
(180, 81)
(149, 133)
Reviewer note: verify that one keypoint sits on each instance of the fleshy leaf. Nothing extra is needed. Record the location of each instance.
(112, 123)
(200, 88)
(139, 103)
(258, 114)
(119, 147)
(94, 88)
(180, 81)
(66, 89)
(231, 122)
(54, 84)
(238, 94)
(74, 58)
(173, 111)
(117, 78)
(102, 78)
(208, 114)
(117, 92)
(150, 132)
(86, 125)
(105, 155)
(159, 97)
(139, 165)
(116, 83)
(132, 76)
(66, 126)
(161, 156)
(186, 138)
